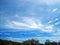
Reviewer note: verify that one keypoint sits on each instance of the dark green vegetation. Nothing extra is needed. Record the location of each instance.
(27, 42)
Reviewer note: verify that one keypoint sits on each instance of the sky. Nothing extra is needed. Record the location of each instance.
(21, 20)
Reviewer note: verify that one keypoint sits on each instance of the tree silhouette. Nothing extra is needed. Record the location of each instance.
(47, 42)
(53, 43)
(27, 42)
(58, 43)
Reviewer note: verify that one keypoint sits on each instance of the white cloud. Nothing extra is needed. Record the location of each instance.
(48, 28)
(12, 39)
(56, 33)
(56, 19)
(19, 23)
(57, 23)
(50, 22)
(16, 39)
(52, 2)
(54, 10)
(48, 2)
(29, 23)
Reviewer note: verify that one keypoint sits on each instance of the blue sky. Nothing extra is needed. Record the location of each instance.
(26, 19)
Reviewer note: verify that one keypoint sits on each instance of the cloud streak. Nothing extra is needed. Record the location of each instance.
(48, 2)
(29, 23)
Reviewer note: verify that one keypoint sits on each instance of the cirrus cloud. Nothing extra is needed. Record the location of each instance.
(29, 23)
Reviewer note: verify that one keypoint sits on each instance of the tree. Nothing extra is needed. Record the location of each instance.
(47, 42)
(54, 43)
(58, 43)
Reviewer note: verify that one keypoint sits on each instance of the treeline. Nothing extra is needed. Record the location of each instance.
(28, 42)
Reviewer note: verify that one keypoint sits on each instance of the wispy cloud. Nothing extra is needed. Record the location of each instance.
(29, 23)
(56, 33)
(48, 2)
(54, 10)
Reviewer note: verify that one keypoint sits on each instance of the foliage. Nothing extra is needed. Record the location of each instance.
(27, 42)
